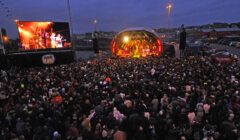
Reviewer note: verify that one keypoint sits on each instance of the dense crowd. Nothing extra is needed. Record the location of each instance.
(122, 99)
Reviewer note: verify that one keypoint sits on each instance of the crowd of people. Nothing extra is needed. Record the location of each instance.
(122, 99)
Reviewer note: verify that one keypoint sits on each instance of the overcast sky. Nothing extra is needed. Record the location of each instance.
(115, 15)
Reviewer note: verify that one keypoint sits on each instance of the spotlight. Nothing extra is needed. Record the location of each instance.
(126, 39)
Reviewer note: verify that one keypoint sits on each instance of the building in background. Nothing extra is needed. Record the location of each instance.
(219, 30)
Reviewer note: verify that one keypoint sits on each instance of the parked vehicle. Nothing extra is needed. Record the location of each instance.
(222, 56)
(207, 51)
(237, 45)
(234, 43)
(229, 40)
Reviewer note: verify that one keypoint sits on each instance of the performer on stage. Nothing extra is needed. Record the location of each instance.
(53, 40)
(59, 41)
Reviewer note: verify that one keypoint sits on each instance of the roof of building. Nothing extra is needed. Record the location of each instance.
(235, 29)
(206, 30)
(227, 29)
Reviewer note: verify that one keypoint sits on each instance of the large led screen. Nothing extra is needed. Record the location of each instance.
(44, 35)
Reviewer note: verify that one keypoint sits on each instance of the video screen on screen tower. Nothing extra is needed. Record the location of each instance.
(44, 35)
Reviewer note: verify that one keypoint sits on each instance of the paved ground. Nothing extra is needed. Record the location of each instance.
(84, 54)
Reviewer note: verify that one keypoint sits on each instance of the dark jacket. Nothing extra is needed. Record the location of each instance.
(183, 36)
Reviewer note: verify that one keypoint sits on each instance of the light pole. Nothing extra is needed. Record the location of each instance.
(70, 16)
(169, 7)
(71, 28)
(95, 25)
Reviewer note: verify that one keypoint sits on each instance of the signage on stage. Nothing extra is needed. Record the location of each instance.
(48, 59)
(44, 35)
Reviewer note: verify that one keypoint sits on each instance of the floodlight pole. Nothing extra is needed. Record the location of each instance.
(95, 25)
(70, 16)
(71, 28)
(169, 7)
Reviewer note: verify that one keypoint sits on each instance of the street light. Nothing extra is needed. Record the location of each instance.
(71, 27)
(5, 39)
(169, 7)
(95, 25)
(70, 16)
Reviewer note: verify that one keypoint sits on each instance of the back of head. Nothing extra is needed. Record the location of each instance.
(120, 135)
